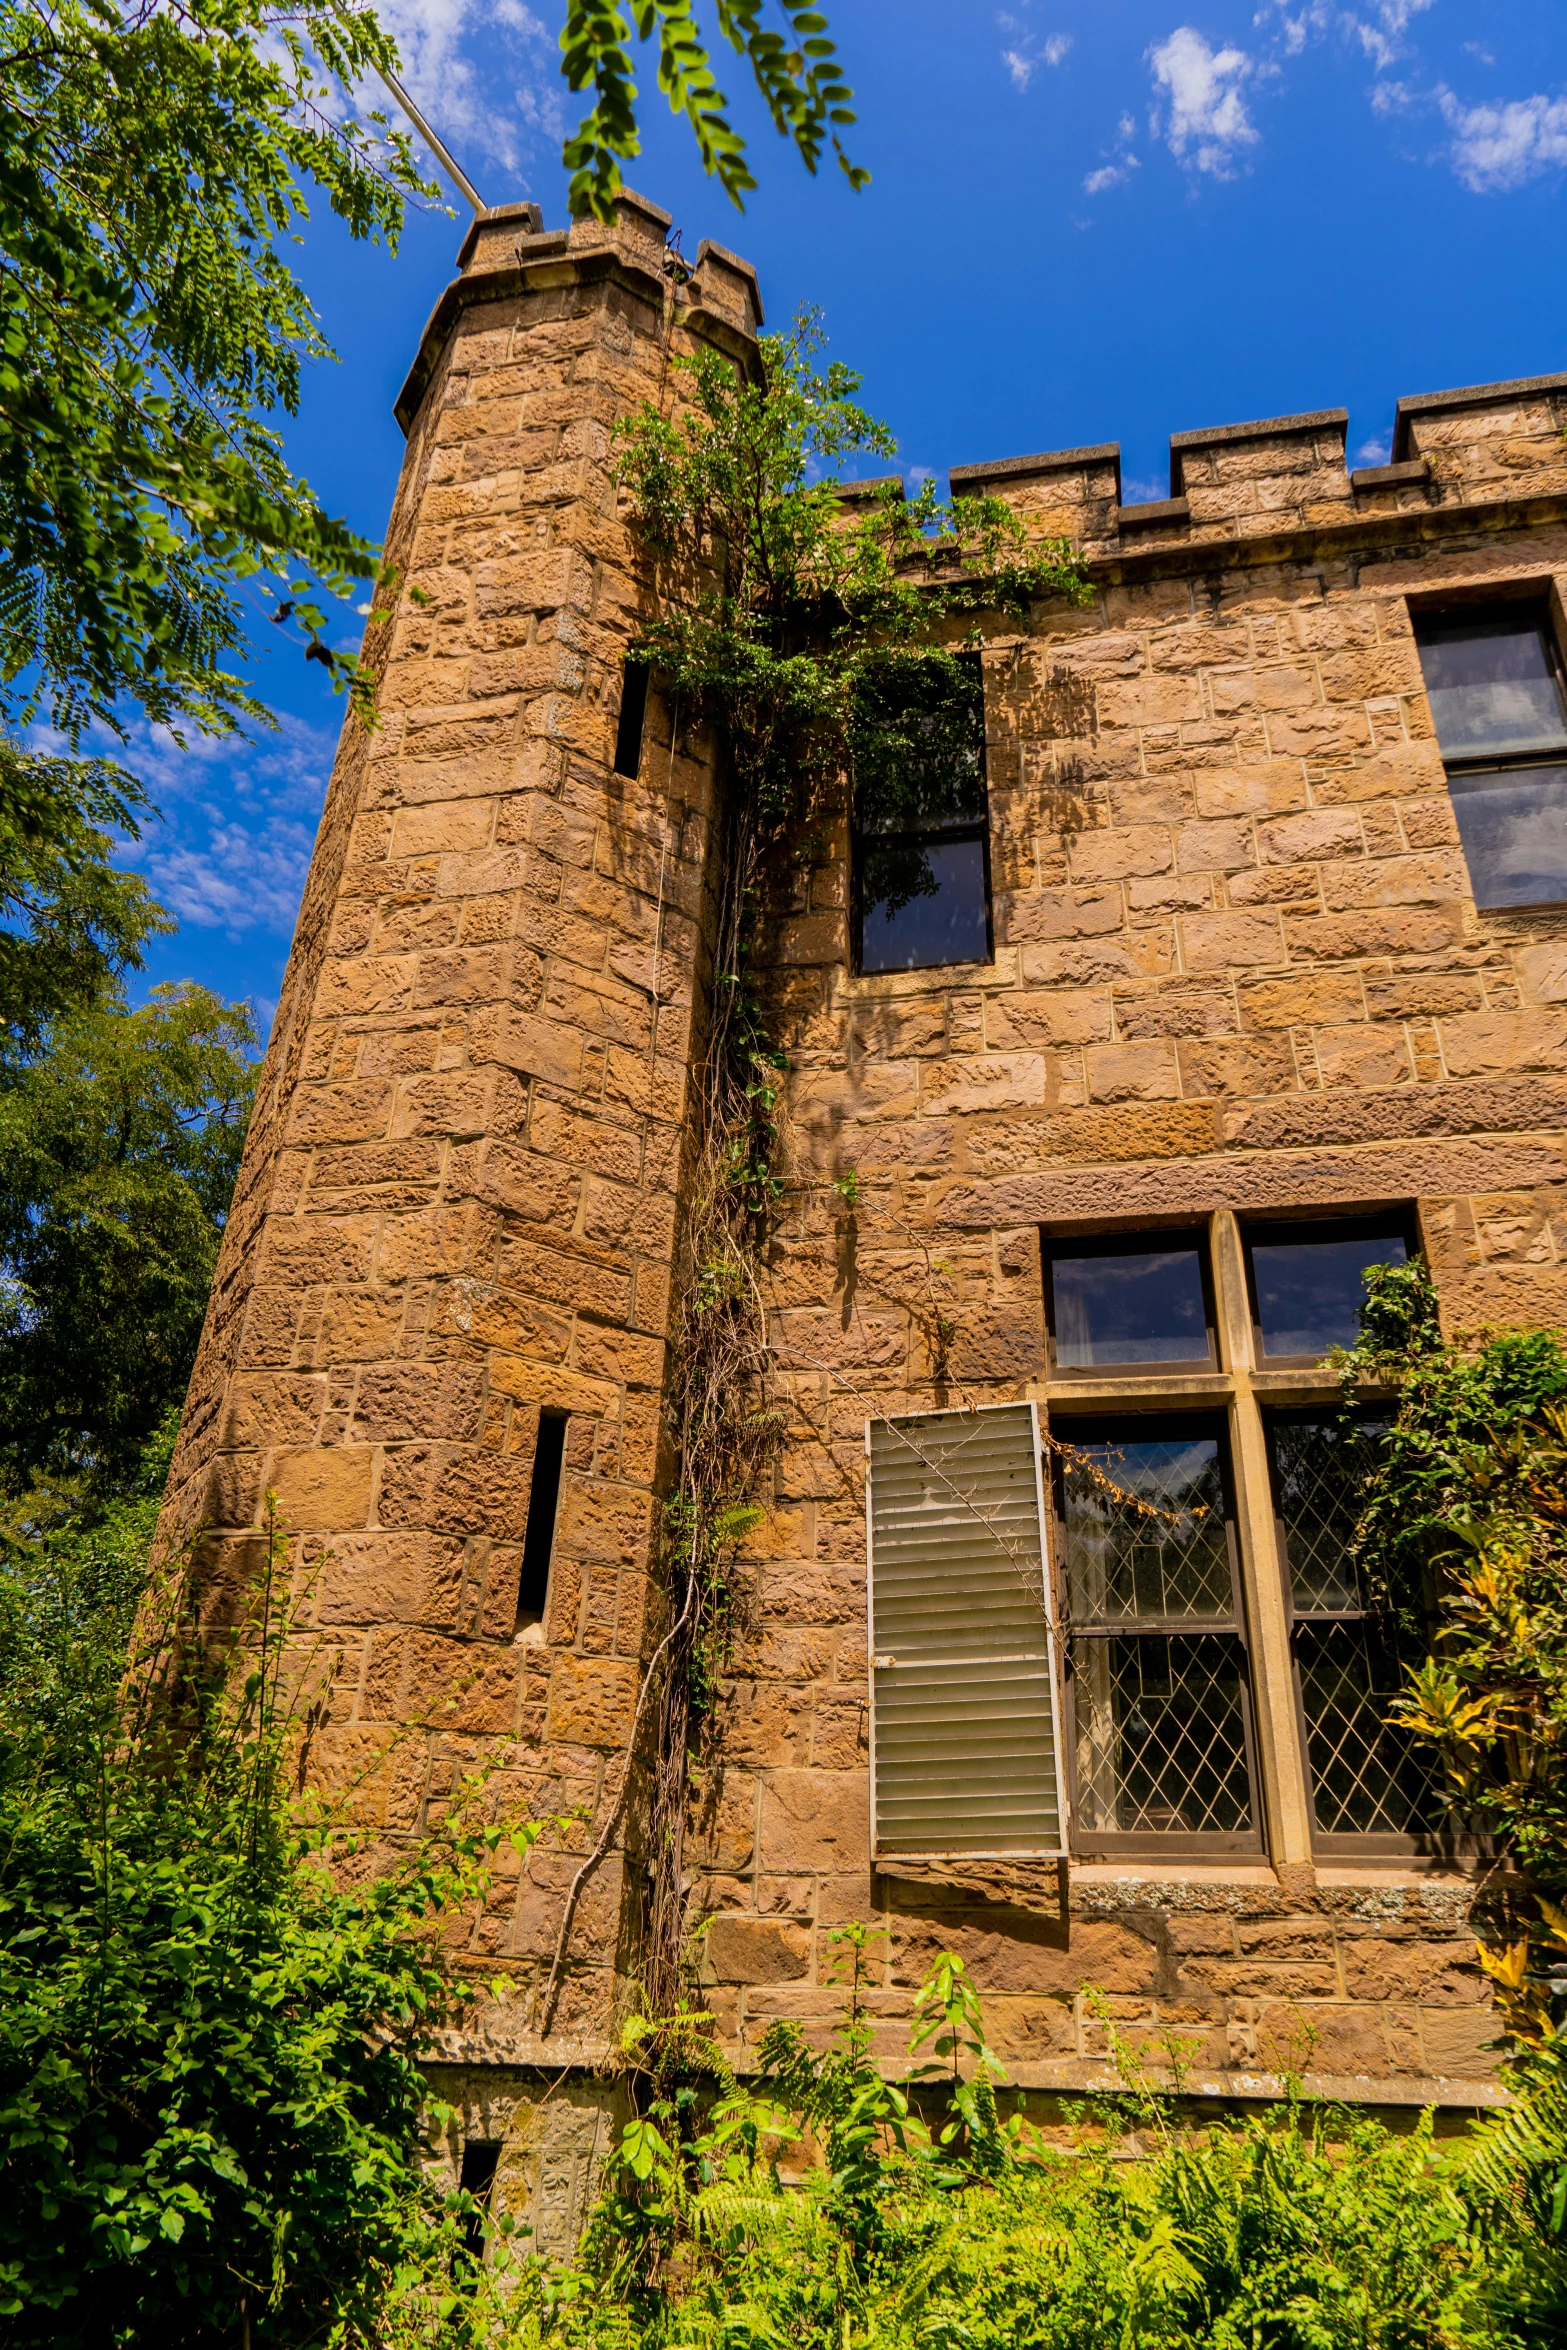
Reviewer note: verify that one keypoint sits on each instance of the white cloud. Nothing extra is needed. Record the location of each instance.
(1495, 148)
(1027, 54)
(1207, 122)
(238, 822)
(1119, 169)
(1375, 452)
(1381, 34)
(456, 60)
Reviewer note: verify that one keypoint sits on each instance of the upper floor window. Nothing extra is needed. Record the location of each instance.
(1494, 681)
(1308, 1283)
(921, 817)
(1118, 1304)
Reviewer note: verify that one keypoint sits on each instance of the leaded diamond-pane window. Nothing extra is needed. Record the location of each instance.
(1160, 1733)
(1161, 1737)
(1350, 1646)
(1366, 1780)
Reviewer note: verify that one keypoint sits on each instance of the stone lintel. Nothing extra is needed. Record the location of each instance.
(856, 493)
(1154, 514)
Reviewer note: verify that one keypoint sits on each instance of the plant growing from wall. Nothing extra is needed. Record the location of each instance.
(804, 632)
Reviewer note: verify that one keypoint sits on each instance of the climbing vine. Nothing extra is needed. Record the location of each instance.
(821, 641)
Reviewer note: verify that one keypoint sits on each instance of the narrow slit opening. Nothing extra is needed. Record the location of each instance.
(538, 1541)
(633, 711)
(480, 2161)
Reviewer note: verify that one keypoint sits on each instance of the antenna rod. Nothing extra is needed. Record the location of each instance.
(437, 146)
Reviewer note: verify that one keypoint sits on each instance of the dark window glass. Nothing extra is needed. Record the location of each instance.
(1492, 682)
(922, 834)
(633, 714)
(1310, 1285)
(923, 903)
(538, 1539)
(1140, 1305)
(1367, 1779)
(1159, 1734)
(1513, 825)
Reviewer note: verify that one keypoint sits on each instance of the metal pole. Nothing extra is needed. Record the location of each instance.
(437, 146)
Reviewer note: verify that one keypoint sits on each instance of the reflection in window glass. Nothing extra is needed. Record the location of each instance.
(1157, 1664)
(1145, 1538)
(1310, 1292)
(921, 813)
(923, 903)
(1514, 830)
(1139, 1308)
(1161, 1738)
(1491, 682)
(1319, 1469)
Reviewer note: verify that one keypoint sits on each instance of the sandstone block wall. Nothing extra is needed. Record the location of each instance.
(1238, 967)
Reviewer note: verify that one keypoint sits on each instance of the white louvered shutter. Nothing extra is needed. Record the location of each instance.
(965, 1741)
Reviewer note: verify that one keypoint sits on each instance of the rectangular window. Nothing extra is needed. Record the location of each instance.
(1494, 681)
(538, 1541)
(1121, 1304)
(1350, 1643)
(1308, 1282)
(1160, 1707)
(965, 1752)
(633, 716)
(921, 818)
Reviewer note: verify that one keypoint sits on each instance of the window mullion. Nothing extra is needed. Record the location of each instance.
(1282, 1764)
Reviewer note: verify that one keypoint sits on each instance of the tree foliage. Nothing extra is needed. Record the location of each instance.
(794, 64)
(212, 2121)
(119, 1143)
(155, 163)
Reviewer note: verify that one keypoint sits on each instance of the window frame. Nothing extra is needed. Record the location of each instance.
(970, 829)
(1472, 770)
(1399, 1222)
(1121, 1244)
(1110, 1426)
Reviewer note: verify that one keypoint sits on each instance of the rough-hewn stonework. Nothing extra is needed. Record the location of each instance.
(1238, 966)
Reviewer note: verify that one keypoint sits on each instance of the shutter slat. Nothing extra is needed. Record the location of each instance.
(965, 1736)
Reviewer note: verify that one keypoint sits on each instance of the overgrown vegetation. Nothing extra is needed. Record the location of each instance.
(792, 626)
(820, 2204)
(120, 1134)
(212, 2120)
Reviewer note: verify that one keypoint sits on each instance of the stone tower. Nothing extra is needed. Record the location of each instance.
(447, 1266)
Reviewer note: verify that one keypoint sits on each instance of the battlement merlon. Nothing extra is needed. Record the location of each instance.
(508, 251)
(1484, 446)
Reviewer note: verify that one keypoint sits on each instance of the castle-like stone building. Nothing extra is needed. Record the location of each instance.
(1242, 966)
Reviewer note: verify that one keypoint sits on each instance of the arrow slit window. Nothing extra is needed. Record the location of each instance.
(965, 1746)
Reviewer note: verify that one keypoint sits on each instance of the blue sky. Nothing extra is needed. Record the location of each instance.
(1085, 223)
